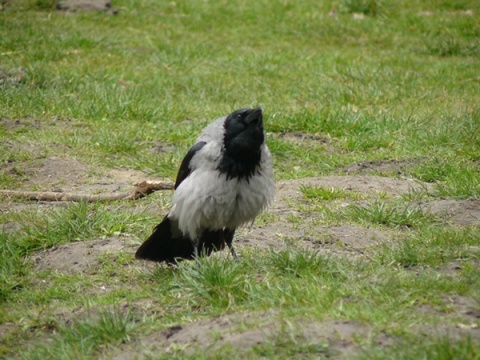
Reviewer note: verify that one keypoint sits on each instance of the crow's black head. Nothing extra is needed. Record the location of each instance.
(242, 141)
(244, 131)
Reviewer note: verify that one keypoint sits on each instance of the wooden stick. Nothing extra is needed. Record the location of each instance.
(141, 190)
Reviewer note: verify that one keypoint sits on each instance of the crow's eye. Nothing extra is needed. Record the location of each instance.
(239, 116)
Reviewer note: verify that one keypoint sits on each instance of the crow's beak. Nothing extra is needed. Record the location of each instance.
(255, 116)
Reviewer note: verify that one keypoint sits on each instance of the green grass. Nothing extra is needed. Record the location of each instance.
(99, 74)
(383, 213)
(382, 293)
(76, 222)
(84, 338)
(417, 349)
(322, 193)
(365, 80)
(13, 271)
(434, 246)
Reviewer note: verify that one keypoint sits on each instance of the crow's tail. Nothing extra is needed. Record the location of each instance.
(162, 246)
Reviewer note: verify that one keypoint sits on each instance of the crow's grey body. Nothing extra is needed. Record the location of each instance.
(224, 182)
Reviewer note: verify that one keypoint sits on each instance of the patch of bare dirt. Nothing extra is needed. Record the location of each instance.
(300, 138)
(81, 256)
(6, 329)
(467, 12)
(11, 77)
(377, 167)
(14, 148)
(343, 240)
(459, 212)
(159, 147)
(20, 124)
(247, 330)
(87, 5)
(244, 331)
(464, 306)
(28, 123)
(462, 311)
(64, 174)
(366, 184)
(143, 307)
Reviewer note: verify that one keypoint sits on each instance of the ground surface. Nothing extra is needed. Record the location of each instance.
(246, 329)
(371, 249)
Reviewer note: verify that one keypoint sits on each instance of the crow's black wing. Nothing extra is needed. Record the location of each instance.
(185, 169)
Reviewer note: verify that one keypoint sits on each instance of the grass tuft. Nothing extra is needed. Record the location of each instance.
(212, 282)
(328, 193)
(384, 213)
(441, 348)
(287, 345)
(366, 7)
(452, 45)
(75, 222)
(434, 246)
(84, 338)
(13, 268)
(303, 263)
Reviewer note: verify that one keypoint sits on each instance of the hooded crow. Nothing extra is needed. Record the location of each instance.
(224, 181)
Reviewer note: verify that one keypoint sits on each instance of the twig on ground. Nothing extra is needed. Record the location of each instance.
(140, 190)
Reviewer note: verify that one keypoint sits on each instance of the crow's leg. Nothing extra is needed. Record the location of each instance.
(196, 249)
(228, 235)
